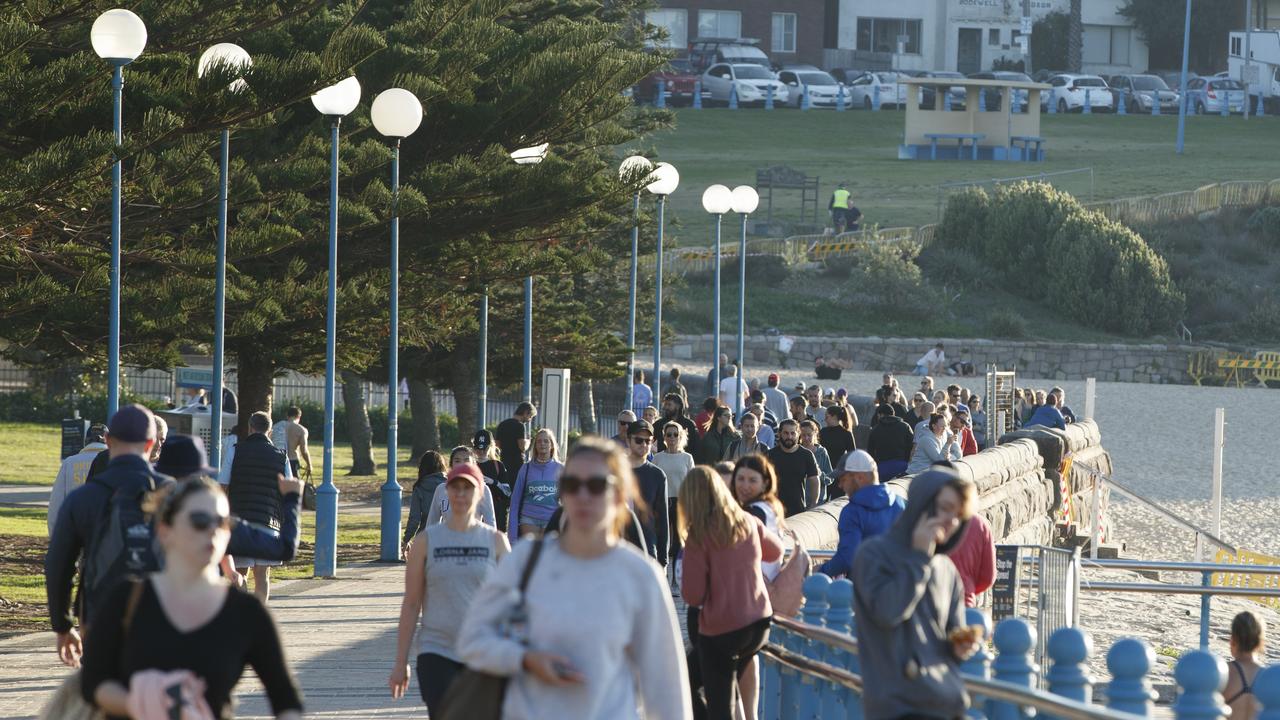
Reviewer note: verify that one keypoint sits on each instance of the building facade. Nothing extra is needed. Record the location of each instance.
(790, 31)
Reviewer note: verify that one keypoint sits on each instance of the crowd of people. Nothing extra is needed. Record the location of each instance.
(555, 568)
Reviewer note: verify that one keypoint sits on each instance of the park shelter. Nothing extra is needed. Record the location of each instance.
(1002, 130)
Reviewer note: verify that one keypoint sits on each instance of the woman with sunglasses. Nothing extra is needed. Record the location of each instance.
(599, 636)
(440, 499)
(447, 564)
(533, 498)
(724, 547)
(675, 463)
(714, 445)
(494, 471)
(185, 629)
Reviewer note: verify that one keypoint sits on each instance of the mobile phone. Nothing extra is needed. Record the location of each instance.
(563, 670)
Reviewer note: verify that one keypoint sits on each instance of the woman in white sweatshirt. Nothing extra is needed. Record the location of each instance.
(600, 641)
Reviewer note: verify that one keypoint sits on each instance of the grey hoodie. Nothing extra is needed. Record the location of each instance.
(905, 604)
(420, 504)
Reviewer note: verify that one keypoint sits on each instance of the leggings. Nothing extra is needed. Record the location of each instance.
(723, 658)
(435, 673)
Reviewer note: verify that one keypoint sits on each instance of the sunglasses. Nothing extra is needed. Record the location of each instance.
(641, 440)
(202, 521)
(595, 485)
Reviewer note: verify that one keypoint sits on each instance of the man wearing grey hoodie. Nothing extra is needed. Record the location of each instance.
(909, 606)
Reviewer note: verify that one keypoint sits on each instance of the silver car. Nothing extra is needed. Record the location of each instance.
(751, 82)
(823, 89)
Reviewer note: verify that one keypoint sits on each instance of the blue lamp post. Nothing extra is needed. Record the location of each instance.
(333, 102)
(118, 36)
(745, 201)
(633, 168)
(396, 113)
(528, 156)
(235, 58)
(717, 200)
(665, 181)
(1182, 82)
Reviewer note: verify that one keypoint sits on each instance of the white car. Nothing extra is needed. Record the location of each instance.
(862, 90)
(1068, 93)
(751, 81)
(822, 88)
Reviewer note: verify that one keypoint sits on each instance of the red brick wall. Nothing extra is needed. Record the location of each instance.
(757, 22)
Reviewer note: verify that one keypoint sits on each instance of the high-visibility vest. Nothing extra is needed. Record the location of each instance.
(840, 199)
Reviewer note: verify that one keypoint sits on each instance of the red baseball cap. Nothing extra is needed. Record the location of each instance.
(773, 377)
(468, 470)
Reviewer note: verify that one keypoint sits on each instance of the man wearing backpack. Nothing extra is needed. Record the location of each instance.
(254, 492)
(104, 519)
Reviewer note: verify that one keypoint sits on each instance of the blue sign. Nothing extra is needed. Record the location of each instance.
(186, 377)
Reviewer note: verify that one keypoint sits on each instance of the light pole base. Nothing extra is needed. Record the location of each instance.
(326, 552)
(392, 497)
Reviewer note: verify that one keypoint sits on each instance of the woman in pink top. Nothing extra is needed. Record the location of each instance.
(723, 549)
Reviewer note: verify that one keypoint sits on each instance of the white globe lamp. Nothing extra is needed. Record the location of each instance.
(118, 35)
(396, 113)
(338, 99)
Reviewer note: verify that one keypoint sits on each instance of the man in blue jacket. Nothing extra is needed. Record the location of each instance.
(871, 510)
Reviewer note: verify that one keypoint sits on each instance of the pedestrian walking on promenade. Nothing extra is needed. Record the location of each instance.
(797, 470)
(714, 445)
(871, 510)
(674, 463)
(533, 497)
(494, 475)
(184, 632)
(890, 443)
(254, 493)
(826, 474)
(75, 470)
(430, 476)
(837, 434)
(651, 486)
(935, 444)
(673, 411)
(909, 605)
(512, 438)
(641, 394)
(975, 559)
(440, 499)
(1247, 638)
(749, 441)
(447, 564)
(724, 548)
(625, 418)
(593, 636)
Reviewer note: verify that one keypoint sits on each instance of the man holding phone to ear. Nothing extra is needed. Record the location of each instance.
(909, 605)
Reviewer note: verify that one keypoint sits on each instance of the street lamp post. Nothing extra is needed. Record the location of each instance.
(396, 113)
(665, 181)
(529, 156)
(1182, 106)
(333, 102)
(716, 200)
(632, 168)
(235, 58)
(118, 36)
(745, 200)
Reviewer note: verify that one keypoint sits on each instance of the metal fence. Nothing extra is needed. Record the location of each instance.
(1040, 585)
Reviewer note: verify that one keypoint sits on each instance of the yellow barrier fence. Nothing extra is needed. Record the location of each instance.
(1245, 579)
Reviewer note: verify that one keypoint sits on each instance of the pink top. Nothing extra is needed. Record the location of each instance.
(727, 582)
(975, 559)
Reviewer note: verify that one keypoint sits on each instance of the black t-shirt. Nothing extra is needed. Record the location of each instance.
(652, 483)
(837, 441)
(510, 432)
(241, 633)
(792, 468)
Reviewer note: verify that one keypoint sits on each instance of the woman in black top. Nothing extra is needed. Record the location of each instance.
(837, 436)
(186, 618)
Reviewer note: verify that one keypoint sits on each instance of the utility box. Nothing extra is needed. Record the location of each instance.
(554, 411)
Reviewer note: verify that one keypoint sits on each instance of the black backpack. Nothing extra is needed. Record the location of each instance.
(124, 542)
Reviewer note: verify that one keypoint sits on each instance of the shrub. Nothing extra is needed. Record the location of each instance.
(36, 407)
(886, 277)
(313, 420)
(1005, 323)
(1262, 323)
(1023, 218)
(954, 267)
(965, 222)
(767, 269)
(1264, 224)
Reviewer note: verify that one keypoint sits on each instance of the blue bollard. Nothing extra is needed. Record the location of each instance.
(1262, 110)
(841, 702)
(1014, 639)
(768, 98)
(979, 664)
(1088, 104)
(840, 98)
(660, 94)
(1129, 660)
(813, 613)
(875, 97)
(1266, 688)
(1122, 108)
(697, 94)
(771, 681)
(1053, 106)
(1070, 648)
(733, 96)
(982, 101)
(1200, 675)
(1155, 103)
(946, 98)
(805, 101)
(1226, 103)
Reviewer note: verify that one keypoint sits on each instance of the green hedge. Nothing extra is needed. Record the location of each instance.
(30, 406)
(313, 421)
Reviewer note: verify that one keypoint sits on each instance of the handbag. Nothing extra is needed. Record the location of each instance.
(476, 695)
(786, 590)
(67, 702)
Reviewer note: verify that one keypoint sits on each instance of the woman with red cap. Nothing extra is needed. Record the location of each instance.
(446, 565)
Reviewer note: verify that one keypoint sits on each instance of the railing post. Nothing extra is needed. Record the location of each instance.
(1014, 639)
(813, 613)
(875, 97)
(768, 97)
(1088, 103)
(841, 702)
(733, 96)
(1155, 103)
(1200, 674)
(1121, 108)
(979, 664)
(697, 95)
(1266, 686)
(660, 94)
(1129, 660)
(1206, 579)
(771, 680)
(1070, 649)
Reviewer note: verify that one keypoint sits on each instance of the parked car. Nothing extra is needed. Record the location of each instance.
(991, 96)
(845, 76)
(1174, 79)
(1208, 94)
(862, 90)
(957, 93)
(822, 88)
(705, 52)
(1139, 91)
(679, 81)
(1068, 93)
(751, 80)
(1042, 76)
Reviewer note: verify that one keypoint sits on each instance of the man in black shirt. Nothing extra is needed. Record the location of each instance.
(254, 493)
(652, 483)
(796, 468)
(890, 443)
(512, 438)
(673, 411)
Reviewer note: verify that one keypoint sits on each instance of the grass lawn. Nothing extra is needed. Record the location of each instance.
(1130, 155)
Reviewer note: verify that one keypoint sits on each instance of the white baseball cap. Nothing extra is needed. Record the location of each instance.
(858, 461)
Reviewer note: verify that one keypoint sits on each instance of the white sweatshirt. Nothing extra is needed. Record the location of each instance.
(610, 616)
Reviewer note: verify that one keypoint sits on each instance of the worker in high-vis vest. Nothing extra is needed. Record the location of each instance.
(841, 201)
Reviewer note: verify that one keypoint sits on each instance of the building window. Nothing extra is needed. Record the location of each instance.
(1235, 46)
(784, 32)
(881, 35)
(674, 22)
(993, 36)
(1106, 45)
(719, 24)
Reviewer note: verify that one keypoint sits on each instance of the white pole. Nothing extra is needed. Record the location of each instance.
(1219, 423)
(1090, 392)
(1094, 532)
(1248, 35)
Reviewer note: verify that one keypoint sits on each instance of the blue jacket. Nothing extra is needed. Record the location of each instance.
(1048, 416)
(869, 512)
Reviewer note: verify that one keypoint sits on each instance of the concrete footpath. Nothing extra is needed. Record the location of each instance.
(339, 639)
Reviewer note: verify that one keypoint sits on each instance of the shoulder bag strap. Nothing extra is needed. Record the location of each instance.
(529, 565)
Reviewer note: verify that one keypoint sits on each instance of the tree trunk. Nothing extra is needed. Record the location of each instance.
(1075, 38)
(463, 383)
(358, 430)
(256, 375)
(426, 427)
(586, 404)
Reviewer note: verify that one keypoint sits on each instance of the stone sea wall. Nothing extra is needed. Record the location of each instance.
(1149, 363)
